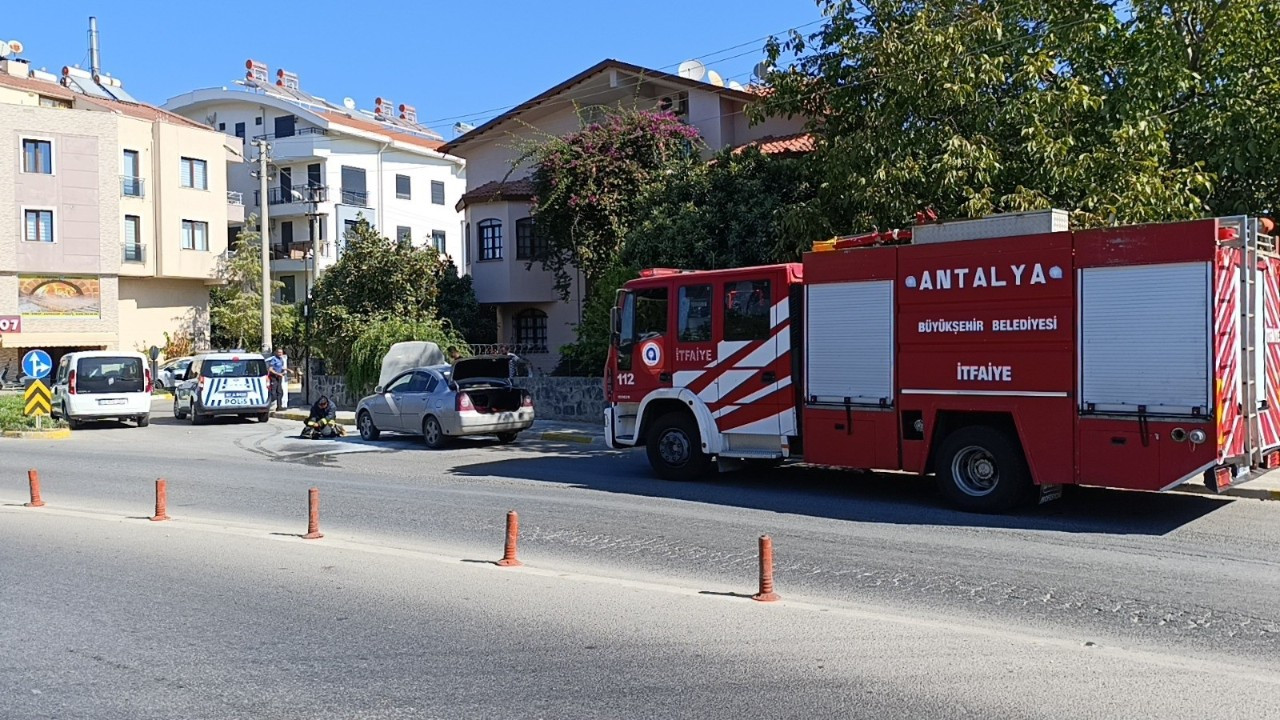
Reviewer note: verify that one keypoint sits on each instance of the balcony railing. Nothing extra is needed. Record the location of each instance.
(131, 186)
(134, 252)
(296, 194)
(358, 198)
(235, 198)
(295, 133)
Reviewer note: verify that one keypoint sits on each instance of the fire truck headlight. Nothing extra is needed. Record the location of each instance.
(1198, 436)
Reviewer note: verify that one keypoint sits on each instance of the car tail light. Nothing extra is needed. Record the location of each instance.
(464, 403)
(150, 387)
(526, 401)
(71, 383)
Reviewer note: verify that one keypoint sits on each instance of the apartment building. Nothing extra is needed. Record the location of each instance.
(114, 216)
(498, 229)
(331, 164)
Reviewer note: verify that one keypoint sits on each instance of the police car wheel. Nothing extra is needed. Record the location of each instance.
(177, 410)
(981, 469)
(674, 447)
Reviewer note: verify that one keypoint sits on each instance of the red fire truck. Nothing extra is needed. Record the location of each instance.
(1008, 356)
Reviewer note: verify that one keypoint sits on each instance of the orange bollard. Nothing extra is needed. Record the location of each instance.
(313, 515)
(162, 501)
(33, 480)
(513, 535)
(766, 593)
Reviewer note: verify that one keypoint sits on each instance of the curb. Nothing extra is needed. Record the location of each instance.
(301, 417)
(61, 434)
(1236, 492)
(573, 437)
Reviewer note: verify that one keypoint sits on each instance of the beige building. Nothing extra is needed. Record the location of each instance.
(497, 227)
(113, 217)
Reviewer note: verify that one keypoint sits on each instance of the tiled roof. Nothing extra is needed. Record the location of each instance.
(797, 144)
(37, 86)
(372, 126)
(498, 191)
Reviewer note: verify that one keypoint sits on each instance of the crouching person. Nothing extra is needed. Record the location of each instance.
(322, 422)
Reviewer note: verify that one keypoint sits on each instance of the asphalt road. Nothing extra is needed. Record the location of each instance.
(1104, 604)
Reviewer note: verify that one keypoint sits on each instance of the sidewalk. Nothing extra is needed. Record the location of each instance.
(1266, 487)
(545, 430)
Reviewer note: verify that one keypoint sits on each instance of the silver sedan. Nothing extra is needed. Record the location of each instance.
(473, 397)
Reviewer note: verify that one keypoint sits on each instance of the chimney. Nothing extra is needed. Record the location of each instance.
(95, 62)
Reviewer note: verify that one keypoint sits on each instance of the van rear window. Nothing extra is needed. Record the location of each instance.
(110, 375)
(233, 368)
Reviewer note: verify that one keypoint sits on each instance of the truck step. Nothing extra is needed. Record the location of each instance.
(752, 454)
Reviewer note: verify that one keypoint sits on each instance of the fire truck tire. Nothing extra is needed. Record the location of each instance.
(674, 447)
(981, 469)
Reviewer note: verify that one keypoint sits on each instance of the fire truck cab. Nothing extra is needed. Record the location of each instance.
(1008, 356)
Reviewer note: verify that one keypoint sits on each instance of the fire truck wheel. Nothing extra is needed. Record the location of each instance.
(980, 469)
(675, 448)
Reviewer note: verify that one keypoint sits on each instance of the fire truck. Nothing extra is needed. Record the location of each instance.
(1007, 356)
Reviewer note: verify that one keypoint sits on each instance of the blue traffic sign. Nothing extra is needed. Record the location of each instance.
(37, 364)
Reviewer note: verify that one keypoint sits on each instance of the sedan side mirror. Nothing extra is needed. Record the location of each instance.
(378, 390)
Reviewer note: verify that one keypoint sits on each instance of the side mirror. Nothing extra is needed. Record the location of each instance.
(378, 390)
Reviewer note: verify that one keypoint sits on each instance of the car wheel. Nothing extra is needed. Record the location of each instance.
(264, 416)
(177, 411)
(507, 438)
(981, 469)
(72, 423)
(432, 434)
(144, 420)
(194, 415)
(368, 431)
(674, 447)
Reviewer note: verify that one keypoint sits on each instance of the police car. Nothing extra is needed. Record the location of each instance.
(223, 384)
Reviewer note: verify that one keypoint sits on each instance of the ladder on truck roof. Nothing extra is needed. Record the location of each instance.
(1253, 243)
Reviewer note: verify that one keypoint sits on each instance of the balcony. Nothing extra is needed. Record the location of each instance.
(299, 132)
(296, 194)
(303, 144)
(134, 252)
(235, 207)
(358, 198)
(131, 186)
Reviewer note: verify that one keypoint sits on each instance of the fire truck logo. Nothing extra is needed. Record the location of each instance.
(987, 276)
(651, 353)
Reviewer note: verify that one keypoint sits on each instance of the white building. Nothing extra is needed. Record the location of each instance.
(499, 230)
(331, 164)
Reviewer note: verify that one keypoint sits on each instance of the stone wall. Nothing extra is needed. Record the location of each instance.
(10, 366)
(571, 399)
(335, 386)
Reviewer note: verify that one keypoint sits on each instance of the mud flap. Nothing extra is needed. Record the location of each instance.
(1049, 493)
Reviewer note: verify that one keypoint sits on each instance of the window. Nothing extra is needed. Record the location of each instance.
(403, 187)
(421, 382)
(433, 382)
(222, 127)
(404, 234)
(438, 240)
(257, 120)
(747, 306)
(289, 291)
(195, 174)
(131, 168)
(37, 156)
(132, 238)
(240, 130)
(466, 244)
(528, 245)
(531, 330)
(46, 101)
(490, 232)
(285, 126)
(348, 226)
(195, 235)
(313, 175)
(286, 235)
(354, 190)
(229, 367)
(400, 384)
(644, 316)
(233, 238)
(695, 314)
(437, 192)
(39, 226)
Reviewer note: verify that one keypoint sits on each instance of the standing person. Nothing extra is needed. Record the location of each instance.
(277, 365)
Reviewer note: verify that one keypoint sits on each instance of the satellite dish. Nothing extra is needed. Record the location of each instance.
(5, 48)
(692, 70)
(714, 78)
(762, 68)
(16, 47)
(735, 85)
(348, 103)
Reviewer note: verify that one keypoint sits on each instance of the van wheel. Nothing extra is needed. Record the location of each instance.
(981, 469)
(177, 411)
(144, 420)
(368, 431)
(675, 448)
(72, 423)
(433, 435)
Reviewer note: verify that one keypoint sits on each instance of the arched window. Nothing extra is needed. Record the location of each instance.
(531, 330)
(490, 239)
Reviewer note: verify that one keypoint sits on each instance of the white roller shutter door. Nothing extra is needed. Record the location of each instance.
(1145, 338)
(849, 342)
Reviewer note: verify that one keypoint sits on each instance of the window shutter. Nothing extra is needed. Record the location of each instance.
(186, 172)
(437, 192)
(201, 178)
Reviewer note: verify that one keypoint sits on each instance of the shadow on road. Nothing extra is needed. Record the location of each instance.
(862, 497)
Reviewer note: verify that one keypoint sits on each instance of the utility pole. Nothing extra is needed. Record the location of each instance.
(265, 235)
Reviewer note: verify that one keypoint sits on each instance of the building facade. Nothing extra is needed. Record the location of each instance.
(329, 166)
(114, 217)
(498, 228)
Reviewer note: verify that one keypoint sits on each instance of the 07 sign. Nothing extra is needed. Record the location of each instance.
(10, 323)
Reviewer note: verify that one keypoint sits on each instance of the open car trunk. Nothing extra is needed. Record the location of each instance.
(486, 380)
(492, 398)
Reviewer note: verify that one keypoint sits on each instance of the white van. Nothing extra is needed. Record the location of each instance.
(102, 385)
(227, 383)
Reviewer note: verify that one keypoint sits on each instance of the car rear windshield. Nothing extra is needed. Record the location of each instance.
(233, 368)
(110, 375)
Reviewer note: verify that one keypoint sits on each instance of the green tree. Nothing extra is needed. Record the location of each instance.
(235, 307)
(587, 354)
(378, 335)
(457, 304)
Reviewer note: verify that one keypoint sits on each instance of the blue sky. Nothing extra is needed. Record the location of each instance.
(449, 60)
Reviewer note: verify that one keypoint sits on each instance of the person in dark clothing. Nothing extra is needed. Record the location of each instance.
(322, 421)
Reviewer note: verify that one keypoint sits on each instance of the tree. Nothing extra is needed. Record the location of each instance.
(235, 307)
(378, 335)
(587, 184)
(458, 305)
(975, 108)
